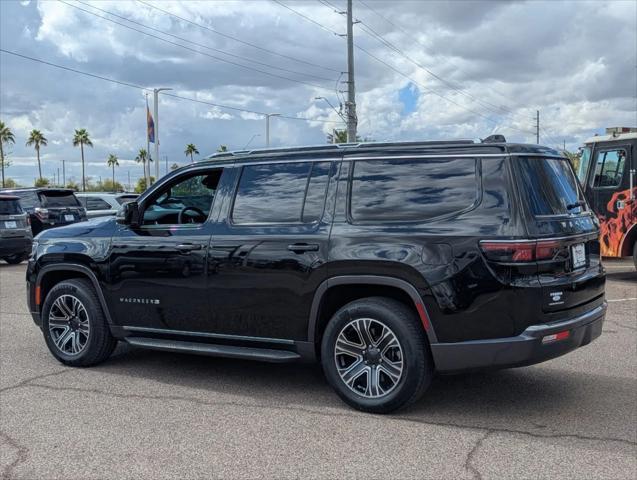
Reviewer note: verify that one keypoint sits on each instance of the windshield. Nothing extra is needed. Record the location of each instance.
(549, 186)
(58, 199)
(584, 163)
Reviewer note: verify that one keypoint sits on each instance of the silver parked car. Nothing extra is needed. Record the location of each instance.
(98, 204)
(15, 230)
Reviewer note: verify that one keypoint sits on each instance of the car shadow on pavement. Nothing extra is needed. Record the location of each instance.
(629, 276)
(532, 397)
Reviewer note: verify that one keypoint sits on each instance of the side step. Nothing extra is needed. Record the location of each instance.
(246, 353)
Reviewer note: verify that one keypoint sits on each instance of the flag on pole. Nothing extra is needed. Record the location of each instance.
(150, 125)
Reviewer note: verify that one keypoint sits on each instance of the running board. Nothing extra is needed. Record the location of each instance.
(246, 353)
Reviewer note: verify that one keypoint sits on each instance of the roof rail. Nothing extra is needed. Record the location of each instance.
(332, 147)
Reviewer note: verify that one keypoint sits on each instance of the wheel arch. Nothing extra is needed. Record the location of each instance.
(391, 286)
(626, 248)
(51, 275)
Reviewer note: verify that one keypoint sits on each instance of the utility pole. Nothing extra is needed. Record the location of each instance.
(129, 189)
(146, 165)
(267, 127)
(63, 174)
(156, 107)
(537, 127)
(58, 182)
(351, 92)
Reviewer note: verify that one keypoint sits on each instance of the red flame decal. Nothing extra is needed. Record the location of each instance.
(616, 224)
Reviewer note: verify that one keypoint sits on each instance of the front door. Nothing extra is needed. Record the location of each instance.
(269, 248)
(158, 270)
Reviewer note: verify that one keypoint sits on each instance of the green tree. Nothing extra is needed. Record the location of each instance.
(574, 158)
(112, 162)
(10, 183)
(6, 136)
(222, 148)
(140, 187)
(73, 185)
(340, 136)
(141, 157)
(110, 186)
(81, 138)
(37, 140)
(41, 182)
(190, 150)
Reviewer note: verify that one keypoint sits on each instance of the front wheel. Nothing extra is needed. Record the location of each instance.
(74, 325)
(376, 356)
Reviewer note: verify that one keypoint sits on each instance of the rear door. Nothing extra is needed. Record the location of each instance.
(268, 252)
(569, 266)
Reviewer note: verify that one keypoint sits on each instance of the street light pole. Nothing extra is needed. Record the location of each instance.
(156, 107)
(267, 127)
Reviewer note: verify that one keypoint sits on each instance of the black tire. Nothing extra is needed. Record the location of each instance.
(417, 364)
(14, 259)
(98, 344)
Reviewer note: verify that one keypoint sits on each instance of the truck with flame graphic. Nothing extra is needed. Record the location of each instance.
(607, 173)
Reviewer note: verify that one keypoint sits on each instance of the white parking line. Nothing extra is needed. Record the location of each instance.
(622, 299)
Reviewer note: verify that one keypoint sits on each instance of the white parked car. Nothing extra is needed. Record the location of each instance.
(99, 204)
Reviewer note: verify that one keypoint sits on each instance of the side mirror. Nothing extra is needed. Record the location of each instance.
(128, 214)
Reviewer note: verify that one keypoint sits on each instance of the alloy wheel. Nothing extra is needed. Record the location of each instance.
(69, 325)
(369, 358)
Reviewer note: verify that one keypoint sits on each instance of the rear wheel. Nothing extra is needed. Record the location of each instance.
(74, 326)
(376, 356)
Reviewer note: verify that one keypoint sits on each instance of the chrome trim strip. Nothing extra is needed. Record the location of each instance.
(568, 237)
(220, 336)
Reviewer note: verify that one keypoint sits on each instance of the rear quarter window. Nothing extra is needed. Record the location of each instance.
(412, 189)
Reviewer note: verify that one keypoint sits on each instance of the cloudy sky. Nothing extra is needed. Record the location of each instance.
(424, 70)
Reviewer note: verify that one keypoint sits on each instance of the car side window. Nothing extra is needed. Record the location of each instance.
(281, 193)
(609, 168)
(95, 203)
(186, 200)
(412, 189)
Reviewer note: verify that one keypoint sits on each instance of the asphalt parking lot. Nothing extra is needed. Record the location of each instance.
(145, 414)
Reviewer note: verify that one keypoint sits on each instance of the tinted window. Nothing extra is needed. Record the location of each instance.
(95, 203)
(411, 190)
(549, 185)
(27, 199)
(276, 193)
(58, 199)
(609, 168)
(583, 165)
(9, 207)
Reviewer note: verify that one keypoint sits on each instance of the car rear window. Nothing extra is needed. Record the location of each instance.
(549, 186)
(58, 199)
(28, 199)
(412, 189)
(9, 207)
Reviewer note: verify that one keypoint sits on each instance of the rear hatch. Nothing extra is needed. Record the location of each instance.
(60, 207)
(566, 232)
(13, 220)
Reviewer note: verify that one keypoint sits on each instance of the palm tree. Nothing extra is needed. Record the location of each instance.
(141, 157)
(112, 162)
(6, 136)
(37, 140)
(190, 150)
(82, 138)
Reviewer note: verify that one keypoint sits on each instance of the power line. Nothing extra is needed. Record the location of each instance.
(139, 87)
(207, 47)
(400, 72)
(196, 51)
(225, 35)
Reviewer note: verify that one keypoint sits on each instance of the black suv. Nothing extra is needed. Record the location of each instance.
(387, 262)
(49, 207)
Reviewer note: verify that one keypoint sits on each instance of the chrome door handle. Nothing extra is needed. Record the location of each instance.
(303, 247)
(187, 247)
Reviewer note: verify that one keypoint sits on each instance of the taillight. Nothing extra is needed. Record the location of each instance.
(42, 213)
(520, 251)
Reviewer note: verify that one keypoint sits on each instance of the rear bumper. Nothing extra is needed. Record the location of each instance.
(15, 246)
(524, 349)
